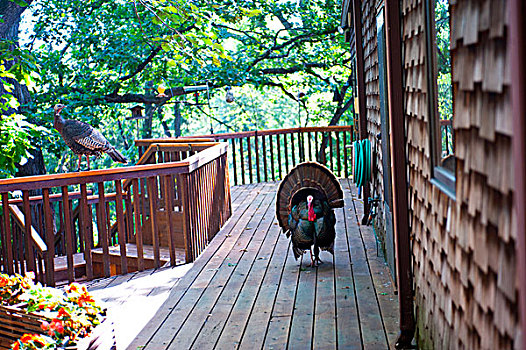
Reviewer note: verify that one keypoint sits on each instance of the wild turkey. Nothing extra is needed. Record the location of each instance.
(304, 208)
(83, 139)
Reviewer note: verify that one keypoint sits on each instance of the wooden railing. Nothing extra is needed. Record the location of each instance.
(268, 155)
(164, 211)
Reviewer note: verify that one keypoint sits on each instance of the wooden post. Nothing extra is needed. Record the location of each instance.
(50, 240)
(168, 189)
(68, 233)
(234, 163)
(187, 235)
(30, 256)
(120, 226)
(517, 47)
(152, 196)
(399, 174)
(85, 229)
(103, 231)
(138, 226)
(7, 235)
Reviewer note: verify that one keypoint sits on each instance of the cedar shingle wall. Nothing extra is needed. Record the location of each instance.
(463, 249)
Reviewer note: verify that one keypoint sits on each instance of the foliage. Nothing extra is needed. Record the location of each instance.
(72, 315)
(445, 90)
(98, 57)
(15, 131)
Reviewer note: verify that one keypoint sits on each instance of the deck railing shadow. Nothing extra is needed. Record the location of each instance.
(99, 223)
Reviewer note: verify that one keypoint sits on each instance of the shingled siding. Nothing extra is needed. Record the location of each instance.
(463, 249)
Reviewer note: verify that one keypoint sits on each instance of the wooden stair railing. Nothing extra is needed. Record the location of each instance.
(33, 249)
(168, 191)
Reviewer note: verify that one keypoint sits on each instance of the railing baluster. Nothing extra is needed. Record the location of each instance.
(30, 256)
(234, 163)
(128, 214)
(242, 160)
(272, 169)
(301, 146)
(138, 226)
(292, 149)
(187, 234)
(317, 151)
(338, 159)
(103, 231)
(264, 154)
(285, 148)
(345, 160)
(249, 151)
(68, 234)
(86, 229)
(309, 143)
(331, 152)
(152, 195)
(256, 147)
(120, 226)
(8, 262)
(280, 174)
(50, 240)
(60, 233)
(168, 189)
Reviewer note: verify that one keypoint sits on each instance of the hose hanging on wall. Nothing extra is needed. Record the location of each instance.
(362, 162)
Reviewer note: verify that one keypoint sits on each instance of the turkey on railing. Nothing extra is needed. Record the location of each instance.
(83, 139)
(304, 208)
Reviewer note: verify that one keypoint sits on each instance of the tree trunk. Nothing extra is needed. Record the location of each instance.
(148, 111)
(177, 119)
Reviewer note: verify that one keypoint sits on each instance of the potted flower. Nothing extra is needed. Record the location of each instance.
(39, 317)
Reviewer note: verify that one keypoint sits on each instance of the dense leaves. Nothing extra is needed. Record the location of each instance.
(101, 57)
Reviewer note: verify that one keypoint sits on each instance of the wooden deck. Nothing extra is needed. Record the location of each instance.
(247, 291)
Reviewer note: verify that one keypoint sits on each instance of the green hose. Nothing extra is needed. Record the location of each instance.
(362, 162)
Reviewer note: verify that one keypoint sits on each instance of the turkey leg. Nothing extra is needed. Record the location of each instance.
(80, 158)
(312, 259)
(317, 254)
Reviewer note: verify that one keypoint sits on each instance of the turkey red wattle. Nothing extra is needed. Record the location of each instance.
(311, 214)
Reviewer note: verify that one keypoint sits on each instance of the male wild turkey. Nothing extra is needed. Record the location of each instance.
(83, 139)
(304, 207)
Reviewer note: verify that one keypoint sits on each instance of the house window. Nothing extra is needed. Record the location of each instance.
(442, 135)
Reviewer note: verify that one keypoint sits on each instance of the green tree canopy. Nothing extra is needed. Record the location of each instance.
(101, 57)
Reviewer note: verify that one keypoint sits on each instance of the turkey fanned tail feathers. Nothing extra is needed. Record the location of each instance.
(308, 180)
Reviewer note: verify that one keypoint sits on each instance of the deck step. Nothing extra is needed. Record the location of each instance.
(131, 253)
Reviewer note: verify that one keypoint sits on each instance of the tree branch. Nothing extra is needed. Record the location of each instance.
(143, 64)
(292, 69)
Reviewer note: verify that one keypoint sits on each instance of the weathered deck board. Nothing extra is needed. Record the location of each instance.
(247, 291)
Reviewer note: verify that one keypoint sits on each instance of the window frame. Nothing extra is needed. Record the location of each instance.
(444, 179)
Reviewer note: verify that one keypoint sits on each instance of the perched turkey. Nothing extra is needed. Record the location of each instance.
(83, 139)
(304, 207)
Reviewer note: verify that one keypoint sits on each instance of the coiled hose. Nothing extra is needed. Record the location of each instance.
(362, 162)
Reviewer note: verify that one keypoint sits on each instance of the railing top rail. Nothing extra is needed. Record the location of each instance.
(172, 147)
(233, 135)
(83, 177)
(206, 156)
(146, 142)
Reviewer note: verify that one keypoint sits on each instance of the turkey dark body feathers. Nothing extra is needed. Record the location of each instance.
(83, 139)
(319, 233)
(312, 183)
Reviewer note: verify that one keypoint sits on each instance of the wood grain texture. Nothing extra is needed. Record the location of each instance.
(247, 291)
